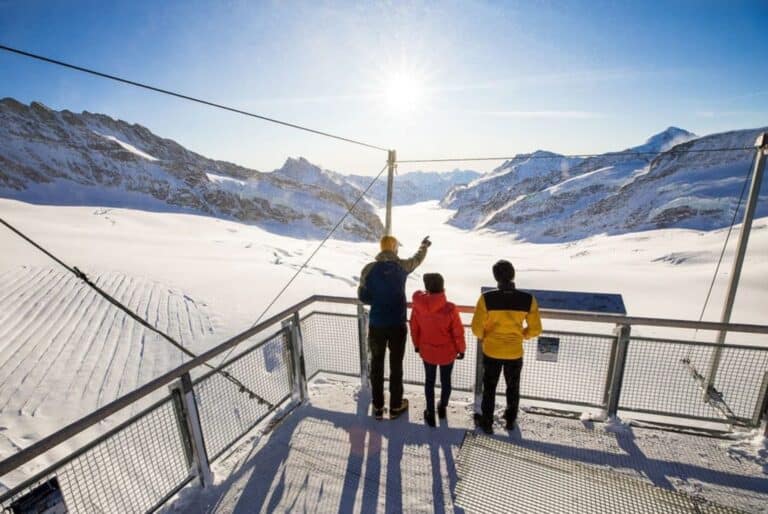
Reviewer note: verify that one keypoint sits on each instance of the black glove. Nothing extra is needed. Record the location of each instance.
(460, 356)
(417, 350)
(426, 242)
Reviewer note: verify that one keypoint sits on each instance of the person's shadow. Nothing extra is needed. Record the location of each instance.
(400, 435)
(308, 440)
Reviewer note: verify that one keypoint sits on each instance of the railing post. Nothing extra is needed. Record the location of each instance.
(362, 338)
(761, 407)
(761, 147)
(622, 333)
(299, 393)
(609, 373)
(188, 419)
(479, 377)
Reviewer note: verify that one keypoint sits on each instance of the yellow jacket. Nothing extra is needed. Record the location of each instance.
(498, 321)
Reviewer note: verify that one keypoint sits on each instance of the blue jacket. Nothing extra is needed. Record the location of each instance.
(382, 286)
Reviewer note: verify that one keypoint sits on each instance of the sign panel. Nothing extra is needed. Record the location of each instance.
(273, 356)
(579, 301)
(547, 349)
(43, 499)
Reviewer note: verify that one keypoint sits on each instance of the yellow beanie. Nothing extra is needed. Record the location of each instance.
(388, 243)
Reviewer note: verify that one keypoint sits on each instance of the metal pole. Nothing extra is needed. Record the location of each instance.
(192, 432)
(761, 406)
(362, 337)
(761, 144)
(479, 377)
(609, 373)
(617, 378)
(299, 393)
(391, 160)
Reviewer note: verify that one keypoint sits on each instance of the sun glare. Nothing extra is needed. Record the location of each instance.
(404, 93)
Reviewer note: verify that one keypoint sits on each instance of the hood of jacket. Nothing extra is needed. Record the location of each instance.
(387, 255)
(429, 302)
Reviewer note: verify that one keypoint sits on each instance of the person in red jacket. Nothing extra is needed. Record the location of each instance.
(438, 336)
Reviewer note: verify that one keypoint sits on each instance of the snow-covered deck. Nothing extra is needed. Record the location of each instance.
(330, 455)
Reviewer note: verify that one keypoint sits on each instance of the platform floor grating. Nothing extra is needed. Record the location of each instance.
(497, 476)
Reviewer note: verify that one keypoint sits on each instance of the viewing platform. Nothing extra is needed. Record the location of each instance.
(615, 419)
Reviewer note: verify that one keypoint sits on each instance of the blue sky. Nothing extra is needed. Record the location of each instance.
(491, 78)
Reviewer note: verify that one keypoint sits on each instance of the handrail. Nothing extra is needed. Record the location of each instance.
(82, 424)
(45, 444)
(636, 320)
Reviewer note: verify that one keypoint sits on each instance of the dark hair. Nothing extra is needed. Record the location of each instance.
(433, 282)
(503, 271)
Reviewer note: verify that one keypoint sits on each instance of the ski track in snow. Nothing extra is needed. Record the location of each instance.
(65, 347)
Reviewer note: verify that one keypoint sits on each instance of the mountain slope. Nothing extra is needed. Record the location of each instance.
(524, 174)
(618, 192)
(55, 157)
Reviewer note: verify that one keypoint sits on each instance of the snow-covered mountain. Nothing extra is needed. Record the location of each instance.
(64, 158)
(415, 186)
(557, 199)
(515, 178)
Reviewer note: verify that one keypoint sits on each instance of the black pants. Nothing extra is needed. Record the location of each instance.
(379, 339)
(430, 374)
(491, 371)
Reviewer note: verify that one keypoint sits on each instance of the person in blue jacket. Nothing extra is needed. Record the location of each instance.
(382, 286)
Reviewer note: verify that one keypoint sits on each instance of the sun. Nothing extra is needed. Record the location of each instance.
(404, 93)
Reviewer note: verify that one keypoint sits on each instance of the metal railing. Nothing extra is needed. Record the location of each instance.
(142, 462)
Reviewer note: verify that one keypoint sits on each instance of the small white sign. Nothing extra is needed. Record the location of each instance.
(43, 499)
(547, 349)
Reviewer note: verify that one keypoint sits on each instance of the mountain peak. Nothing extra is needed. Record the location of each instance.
(295, 166)
(666, 139)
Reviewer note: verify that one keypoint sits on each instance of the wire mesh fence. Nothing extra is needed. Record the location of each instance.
(140, 464)
(668, 377)
(225, 412)
(331, 343)
(577, 376)
(658, 376)
(133, 468)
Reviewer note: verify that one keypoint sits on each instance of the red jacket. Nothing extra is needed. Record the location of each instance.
(436, 328)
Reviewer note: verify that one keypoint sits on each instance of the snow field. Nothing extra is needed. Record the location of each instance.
(203, 279)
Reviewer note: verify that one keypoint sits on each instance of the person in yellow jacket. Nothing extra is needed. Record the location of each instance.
(503, 318)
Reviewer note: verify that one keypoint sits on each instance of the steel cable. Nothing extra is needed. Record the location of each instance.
(184, 97)
(82, 276)
(672, 151)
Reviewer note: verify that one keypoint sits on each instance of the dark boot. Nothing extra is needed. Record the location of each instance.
(441, 411)
(429, 417)
(510, 418)
(395, 412)
(486, 425)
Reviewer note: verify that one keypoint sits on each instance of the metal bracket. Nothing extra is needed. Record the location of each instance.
(479, 377)
(299, 375)
(761, 406)
(192, 432)
(362, 338)
(617, 376)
